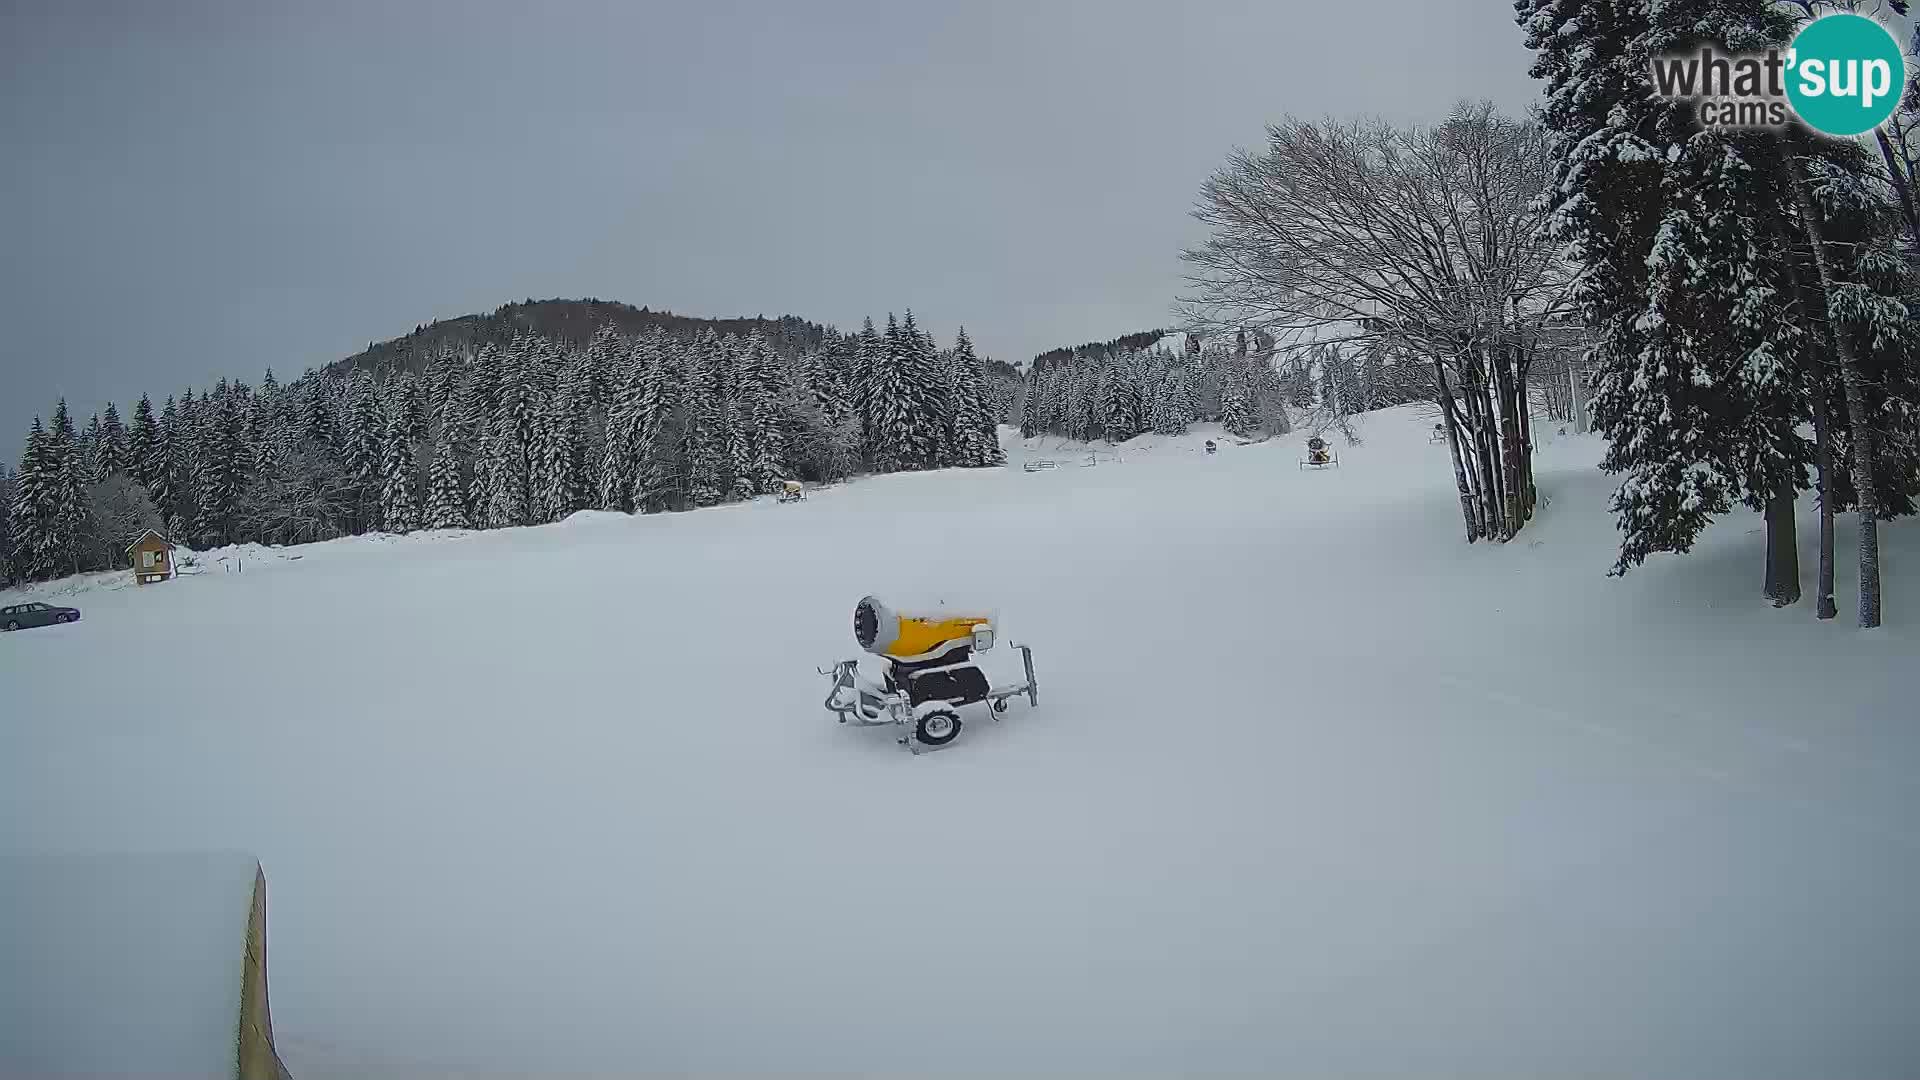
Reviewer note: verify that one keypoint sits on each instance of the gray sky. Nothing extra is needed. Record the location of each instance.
(192, 189)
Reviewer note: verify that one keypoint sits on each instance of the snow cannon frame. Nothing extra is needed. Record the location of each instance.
(930, 673)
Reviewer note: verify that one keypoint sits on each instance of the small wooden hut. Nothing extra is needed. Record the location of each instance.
(151, 557)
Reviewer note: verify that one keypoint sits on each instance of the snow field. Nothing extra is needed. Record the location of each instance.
(1314, 787)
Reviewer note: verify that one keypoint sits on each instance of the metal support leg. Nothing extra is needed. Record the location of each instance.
(1033, 685)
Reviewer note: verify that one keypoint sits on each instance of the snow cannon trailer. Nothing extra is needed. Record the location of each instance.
(930, 673)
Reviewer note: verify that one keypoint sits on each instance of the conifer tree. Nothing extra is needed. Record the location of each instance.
(977, 429)
(1033, 413)
(399, 507)
(871, 355)
(620, 457)
(1676, 230)
(705, 445)
(919, 412)
(559, 482)
(891, 403)
(661, 421)
(89, 452)
(1236, 399)
(143, 445)
(9, 573)
(446, 493)
(365, 430)
(507, 451)
(66, 488)
(164, 470)
(219, 471)
(34, 510)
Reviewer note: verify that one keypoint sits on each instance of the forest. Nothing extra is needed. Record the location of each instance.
(497, 434)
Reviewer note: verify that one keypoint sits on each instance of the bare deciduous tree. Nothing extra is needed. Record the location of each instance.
(1428, 243)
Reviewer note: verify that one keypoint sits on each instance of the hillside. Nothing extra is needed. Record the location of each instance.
(1143, 339)
(570, 321)
(1312, 787)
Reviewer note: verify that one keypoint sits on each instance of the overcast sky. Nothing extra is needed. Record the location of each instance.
(192, 189)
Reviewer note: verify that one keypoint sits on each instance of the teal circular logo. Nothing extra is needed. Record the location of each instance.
(1845, 74)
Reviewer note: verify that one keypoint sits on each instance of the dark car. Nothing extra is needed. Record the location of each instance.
(21, 616)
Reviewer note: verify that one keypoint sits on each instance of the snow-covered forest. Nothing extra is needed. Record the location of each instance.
(496, 436)
(1115, 394)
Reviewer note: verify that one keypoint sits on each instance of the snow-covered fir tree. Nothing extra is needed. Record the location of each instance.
(507, 448)
(114, 450)
(9, 485)
(89, 451)
(32, 525)
(763, 387)
(870, 356)
(1648, 207)
(446, 489)
(219, 472)
(621, 453)
(66, 491)
(558, 457)
(705, 448)
(663, 416)
(976, 427)
(399, 504)
(361, 438)
(143, 444)
(1237, 412)
(923, 405)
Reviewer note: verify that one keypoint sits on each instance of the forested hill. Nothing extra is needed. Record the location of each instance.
(1144, 339)
(571, 322)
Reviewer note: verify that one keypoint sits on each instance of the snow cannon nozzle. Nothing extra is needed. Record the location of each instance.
(905, 634)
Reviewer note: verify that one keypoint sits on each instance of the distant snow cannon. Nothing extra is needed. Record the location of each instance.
(930, 671)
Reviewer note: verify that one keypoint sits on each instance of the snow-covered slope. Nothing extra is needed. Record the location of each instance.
(123, 965)
(1314, 788)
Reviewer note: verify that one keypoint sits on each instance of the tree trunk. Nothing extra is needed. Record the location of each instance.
(1816, 386)
(1491, 470)
(1850, 374)
(1529, 493)
(1522, 438)
(1453, 448)
(1824, 607)
(1509, 435)
(1783, 549)
(1495, 468)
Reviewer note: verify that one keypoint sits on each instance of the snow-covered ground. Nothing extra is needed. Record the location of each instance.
(122, 965)
(1314, 788)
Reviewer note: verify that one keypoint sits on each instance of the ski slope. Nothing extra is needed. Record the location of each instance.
(1314, 788)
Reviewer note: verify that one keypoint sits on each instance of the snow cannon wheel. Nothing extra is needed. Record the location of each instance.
(999, 705)
(937, 727)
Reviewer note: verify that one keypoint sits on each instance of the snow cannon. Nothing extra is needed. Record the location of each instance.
(915, 635)
(930, 672)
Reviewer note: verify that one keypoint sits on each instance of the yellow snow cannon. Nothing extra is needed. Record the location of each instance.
(916, 635)
(930, 671)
